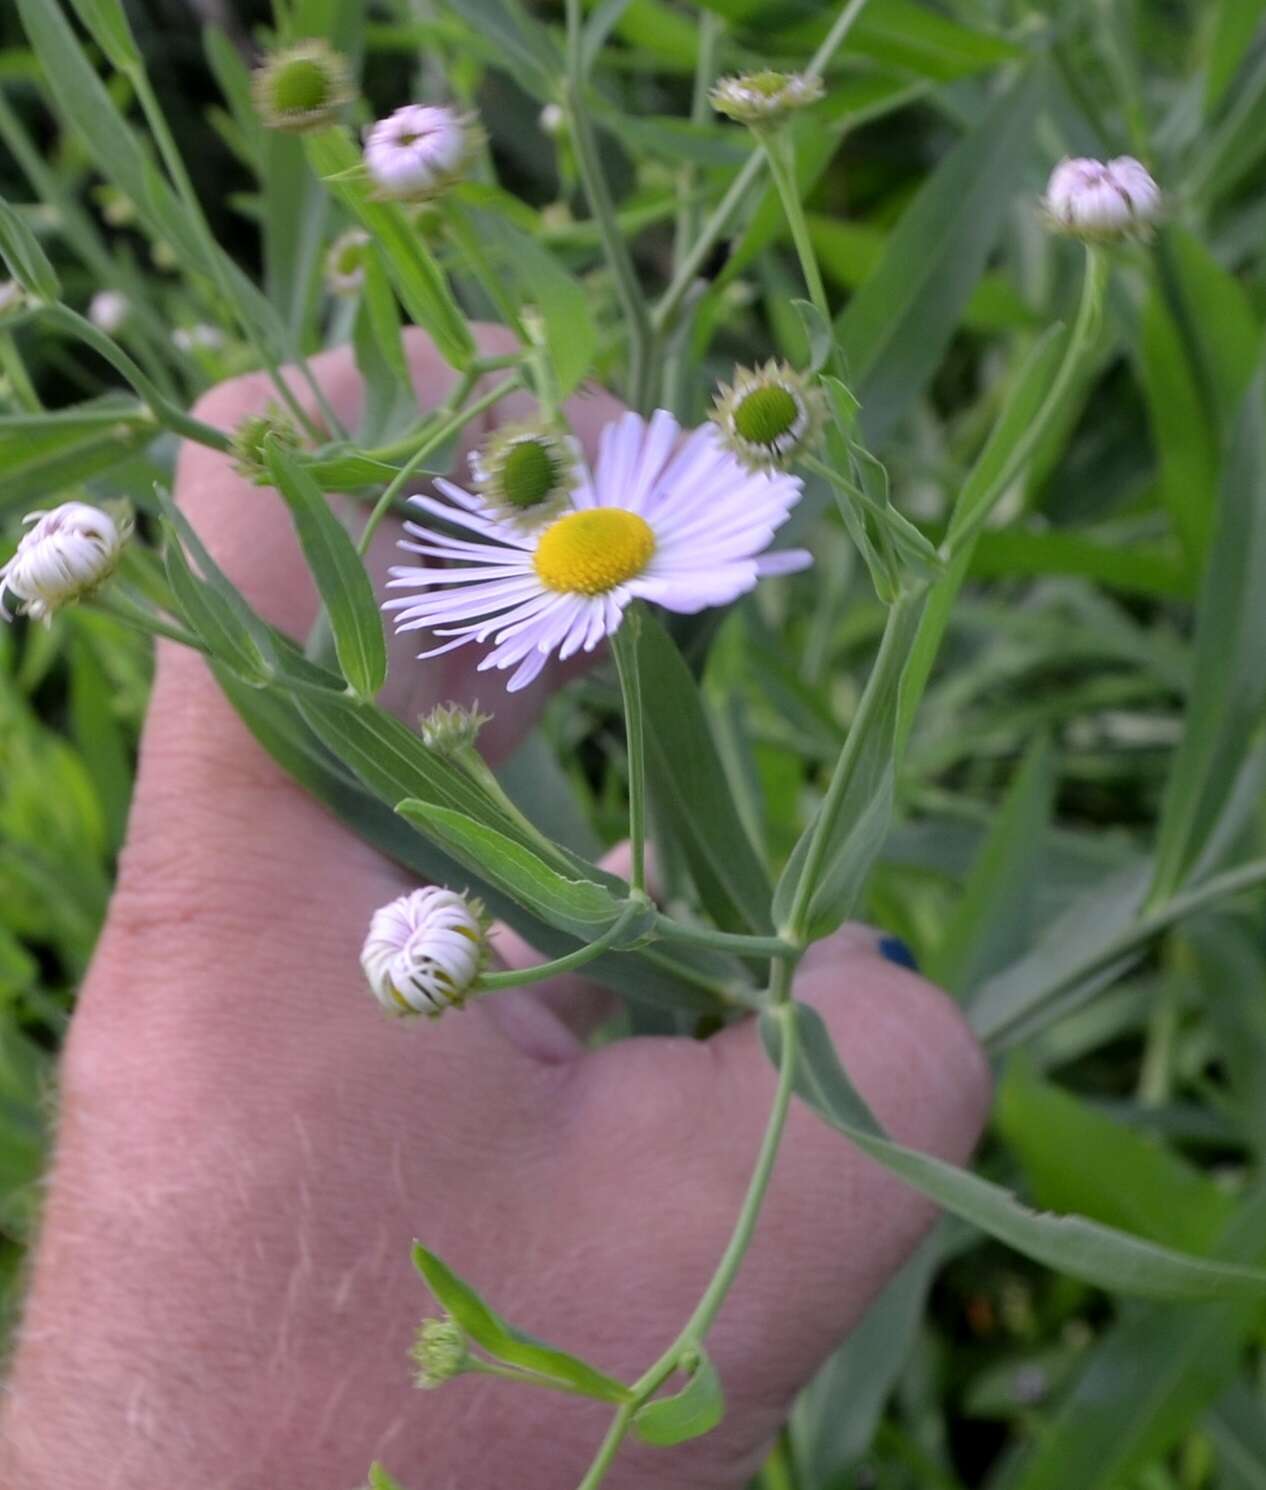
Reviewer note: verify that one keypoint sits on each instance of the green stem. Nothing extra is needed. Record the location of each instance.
(166, 412)
(781, 158)
(543, 971)
(740, 188)
(435, 438)
(624, 647)
(994, 1032)
(690, 1338)
(172, 159)
(891, 659)
(614, 245)
(123, 608)
(724, 941)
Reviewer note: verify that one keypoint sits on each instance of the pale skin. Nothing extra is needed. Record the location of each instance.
(222, 1293)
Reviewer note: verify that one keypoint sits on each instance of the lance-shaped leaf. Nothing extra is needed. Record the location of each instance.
(340, 575)
(505, 1343)
(1083, 1249)
(27, 261)
(580, 907)
(689, 1413)
(44, 452)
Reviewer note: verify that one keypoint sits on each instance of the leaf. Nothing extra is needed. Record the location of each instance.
(993, 921)
(689, 1413)
(561, 300)
(26, 260)
(1077, 1158)
(339, 573)
(505, 1343)
(108, 23)
(1228, 693)
(865, 811)
(213, 618)
(40, 454)
(895, 330)
(419, 280)
(689, 788)
(1145, 1382)
(1234, 25)
(1070, 1244)
(580, 907)
(390, 405)
(527, 49)
(379, 1479)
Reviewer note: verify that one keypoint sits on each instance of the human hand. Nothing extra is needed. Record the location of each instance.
(223, 1294)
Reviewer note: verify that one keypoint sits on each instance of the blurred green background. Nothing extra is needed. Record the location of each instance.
(1037, 771)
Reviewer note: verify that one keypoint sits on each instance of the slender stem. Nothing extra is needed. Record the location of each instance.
(696, 1327)
(624, 646)
(172, 159)
(781, 157)
(489, 982)
(435, 438)
(123, 608)
(994, 1031)
(166, 412)
(724, 941)
(891, 659)
(740, 188)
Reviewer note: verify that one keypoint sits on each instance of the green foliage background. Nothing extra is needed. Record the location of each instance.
(1092, 726)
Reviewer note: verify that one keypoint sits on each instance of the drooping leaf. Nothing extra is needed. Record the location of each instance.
(687, 1414)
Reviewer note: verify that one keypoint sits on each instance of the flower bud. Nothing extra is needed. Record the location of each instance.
(200, 338)
(250, 456)
(12, 297)
(1102, 201)
(440, 1352)
(552, 120)
(66, 554)
(418, 151)
(345, 263)
(302, 87)
(765, 97)
(108, 310)
(425, 950)
(769, 416)
(449, 728)
(525, 472)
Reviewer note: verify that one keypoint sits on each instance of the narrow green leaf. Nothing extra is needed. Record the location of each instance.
(340, 575)
(995, 919)
(895, 330)
(419, 280)
(580, 907)
(1235, 23)
(1146, 1382)
(1070, 1244)
(1228, 693)
(689, 1413)
(689, 788)
(214, 620)
(524, 46)
(108, 23)
(505, 1343)
(379, 1479)
(390, 405)
(41, 454)
(27, 262)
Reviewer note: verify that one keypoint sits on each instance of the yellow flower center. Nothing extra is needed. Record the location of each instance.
(589, 553)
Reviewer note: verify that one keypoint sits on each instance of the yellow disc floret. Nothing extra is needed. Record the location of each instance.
(591, 552)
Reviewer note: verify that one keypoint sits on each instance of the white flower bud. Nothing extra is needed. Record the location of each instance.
(424, 951)
(552, 120)
(107, 310)
(12, 296)
(200, 338)
(417, 151)
(767, 97)
(1103, 201)
(68, 552)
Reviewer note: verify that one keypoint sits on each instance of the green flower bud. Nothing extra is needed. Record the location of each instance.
(769, 416)
(449, 728)
(764, 97)
(525, 472)
(250, 458)
(440, 1352)
(302, 87)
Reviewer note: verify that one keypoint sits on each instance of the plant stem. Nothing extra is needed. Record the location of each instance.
(620, 260)
(781, 156)
(724, 941)
(624, 648)
(490, 982)
(740, 188)
(696, 1327)
(124, 609)
(434, 438)
(163, 410)
(889, 662)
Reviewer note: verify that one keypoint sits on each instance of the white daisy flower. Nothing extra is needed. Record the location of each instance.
(765, 97)
(425, 950)
(1102, 200)
(68, 552)
(417, 151)
(108, 309)
(677, 521)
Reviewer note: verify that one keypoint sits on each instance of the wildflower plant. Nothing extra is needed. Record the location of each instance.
(712, 560)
